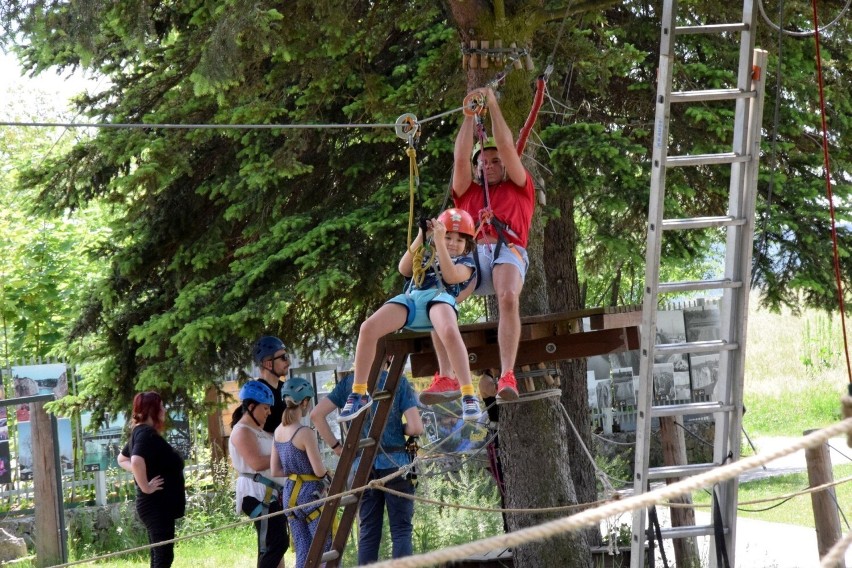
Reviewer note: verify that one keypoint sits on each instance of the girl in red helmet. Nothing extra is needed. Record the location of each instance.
(428, 304)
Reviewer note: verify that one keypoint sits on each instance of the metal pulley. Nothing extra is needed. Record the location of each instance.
(407, 127)
(474, 104)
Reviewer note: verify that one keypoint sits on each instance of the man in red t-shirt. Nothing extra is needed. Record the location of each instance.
(512, 200)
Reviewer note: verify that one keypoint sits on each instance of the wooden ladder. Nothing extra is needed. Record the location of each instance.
(398, 351)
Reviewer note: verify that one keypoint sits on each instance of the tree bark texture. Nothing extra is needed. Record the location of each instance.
(537, 468)
(560, 242)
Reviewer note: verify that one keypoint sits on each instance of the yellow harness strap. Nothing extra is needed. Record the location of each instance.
(300, 478)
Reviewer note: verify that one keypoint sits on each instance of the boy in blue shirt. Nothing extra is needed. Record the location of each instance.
(403, 421)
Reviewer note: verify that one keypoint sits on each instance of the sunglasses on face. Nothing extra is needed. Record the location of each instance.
(285, 357)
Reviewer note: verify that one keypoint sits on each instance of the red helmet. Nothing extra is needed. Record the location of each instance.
(458, 221)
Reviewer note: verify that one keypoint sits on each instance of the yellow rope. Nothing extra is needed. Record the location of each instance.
(413, 181)
(419, 271)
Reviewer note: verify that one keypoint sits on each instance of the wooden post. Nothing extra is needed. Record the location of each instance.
(474, 57)
(484, 60)
(215, 433)
(517, 63)
(48, 542)
(826, 517)
(100, 488)
(674, 453)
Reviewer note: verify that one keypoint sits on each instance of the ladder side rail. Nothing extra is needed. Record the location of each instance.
(369, 453)
(341, 475)
(732, 322)
(743, 242)
(735, 242)
(653, 252)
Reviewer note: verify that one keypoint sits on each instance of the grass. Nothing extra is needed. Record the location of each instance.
(794, 374)
(795, 511)
(234, 548)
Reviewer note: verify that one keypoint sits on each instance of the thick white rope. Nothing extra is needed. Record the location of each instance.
(835, 556)
(593, 517)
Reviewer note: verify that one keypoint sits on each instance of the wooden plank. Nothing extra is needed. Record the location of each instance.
(553, 348)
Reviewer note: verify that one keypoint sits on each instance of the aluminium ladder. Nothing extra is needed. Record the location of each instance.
(738, 226)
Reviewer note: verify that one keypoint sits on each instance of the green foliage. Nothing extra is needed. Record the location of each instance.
(119, 529)
(436, 528)
(217, 235)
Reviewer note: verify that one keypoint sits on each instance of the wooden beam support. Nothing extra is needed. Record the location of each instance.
(543, 338)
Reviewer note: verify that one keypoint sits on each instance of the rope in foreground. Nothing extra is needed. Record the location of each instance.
(593, 517)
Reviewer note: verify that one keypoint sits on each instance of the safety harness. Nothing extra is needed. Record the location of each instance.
(475, 106)
(298, 479)
(273, 491)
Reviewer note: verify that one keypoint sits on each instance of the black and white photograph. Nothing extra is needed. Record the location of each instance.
(705, 369)
(603, 394)
(664, 389)
(702, 322)
(622, 388)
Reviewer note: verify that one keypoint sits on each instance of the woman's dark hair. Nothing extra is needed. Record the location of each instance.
(147, 405)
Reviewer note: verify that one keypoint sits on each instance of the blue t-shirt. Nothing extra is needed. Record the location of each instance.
(394, 434)
(430, 278)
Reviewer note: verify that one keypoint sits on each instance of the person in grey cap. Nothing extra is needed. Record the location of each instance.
(271, 357)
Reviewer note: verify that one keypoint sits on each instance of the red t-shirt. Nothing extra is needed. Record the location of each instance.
(512, 204)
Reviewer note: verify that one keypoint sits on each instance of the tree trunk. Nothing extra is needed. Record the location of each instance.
(560, 242)
(530, 434)
(536, 432)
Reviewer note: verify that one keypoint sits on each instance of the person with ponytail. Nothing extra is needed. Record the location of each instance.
(257, 491)
(157, 469)
(296, 457)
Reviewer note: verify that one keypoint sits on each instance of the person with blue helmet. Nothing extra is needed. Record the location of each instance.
(403, 422)
(296, 458)
(257, 490)
(273, 361)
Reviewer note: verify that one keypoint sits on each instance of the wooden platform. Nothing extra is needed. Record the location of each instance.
(552, 337)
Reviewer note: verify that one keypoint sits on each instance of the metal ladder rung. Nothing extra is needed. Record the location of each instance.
(689, 286)
(702, 159)
(711, 29)
(688, 532)
(710, 95)
(702, 222)
(713, 346)
(676, 471)
(690, 408)
(330, 555)
(366, 443)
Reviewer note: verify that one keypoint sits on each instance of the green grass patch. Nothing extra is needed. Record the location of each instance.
(791, 412)
(795, 511)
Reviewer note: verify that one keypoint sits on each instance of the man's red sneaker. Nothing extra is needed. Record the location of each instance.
(442, 389)
(507, 386)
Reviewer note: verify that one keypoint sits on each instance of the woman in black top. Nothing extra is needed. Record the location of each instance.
(158, 471)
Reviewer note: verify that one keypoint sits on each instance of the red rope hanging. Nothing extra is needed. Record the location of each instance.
(827, 169)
